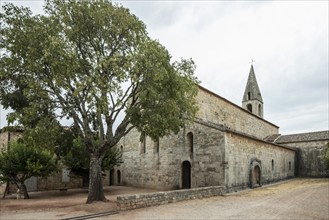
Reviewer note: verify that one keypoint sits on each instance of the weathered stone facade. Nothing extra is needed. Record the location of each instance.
(216, 109)
(226, 145)
(310, 162)
(311, 148)
(162, 169)
(275, 162)
(226, 140)
(220, 157)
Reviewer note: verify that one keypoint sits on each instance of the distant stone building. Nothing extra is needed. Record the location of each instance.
(225, 145)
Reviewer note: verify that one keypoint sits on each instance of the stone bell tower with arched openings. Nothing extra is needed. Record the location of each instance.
(252, 98)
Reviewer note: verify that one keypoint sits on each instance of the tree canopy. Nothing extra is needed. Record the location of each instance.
(78, 162)
(20, 162)
(93, 63)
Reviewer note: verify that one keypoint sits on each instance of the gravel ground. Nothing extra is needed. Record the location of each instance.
(293, 199)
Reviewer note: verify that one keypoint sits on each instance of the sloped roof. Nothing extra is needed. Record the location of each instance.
(302, 137)
(272, 138)
(235, 105)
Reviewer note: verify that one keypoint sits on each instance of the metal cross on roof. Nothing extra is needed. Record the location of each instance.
(252, 61)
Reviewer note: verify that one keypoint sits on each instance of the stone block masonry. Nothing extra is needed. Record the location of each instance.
(159, 198)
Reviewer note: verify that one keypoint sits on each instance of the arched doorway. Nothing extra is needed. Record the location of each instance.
(256, 176)
(186, 175)
(255, 173)
(119, 177)
(111, 177)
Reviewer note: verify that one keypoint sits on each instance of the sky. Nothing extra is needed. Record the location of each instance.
(288, 40)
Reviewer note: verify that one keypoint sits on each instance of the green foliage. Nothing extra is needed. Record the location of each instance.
(90, 59)
(78, 160)
(93, 63)
(46, 134)
(113, 157)
(21, 162)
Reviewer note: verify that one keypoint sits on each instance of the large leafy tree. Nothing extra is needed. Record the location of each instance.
(94, 63)
(21, 162)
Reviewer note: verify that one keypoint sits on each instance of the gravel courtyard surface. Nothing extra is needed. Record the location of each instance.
(293, 199)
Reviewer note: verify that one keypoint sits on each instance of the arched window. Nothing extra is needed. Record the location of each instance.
(249, 107)
(289, 165)
(121, 148)
(248, 95)
(259, 110)
(272, 164)
(190, 141)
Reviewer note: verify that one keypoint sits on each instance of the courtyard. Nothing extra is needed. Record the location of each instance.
(292, 199)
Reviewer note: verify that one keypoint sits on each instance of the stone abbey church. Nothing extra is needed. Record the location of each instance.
(226, 145)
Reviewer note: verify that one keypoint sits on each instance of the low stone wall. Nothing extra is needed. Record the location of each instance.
(159, 198)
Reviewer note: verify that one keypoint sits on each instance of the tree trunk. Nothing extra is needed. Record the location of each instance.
(96, 192)
(6, 190)
(23, 190)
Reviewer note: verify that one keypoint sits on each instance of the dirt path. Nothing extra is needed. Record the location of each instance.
(57, 205)
(293, 199)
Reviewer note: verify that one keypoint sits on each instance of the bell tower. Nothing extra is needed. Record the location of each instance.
(252, 99)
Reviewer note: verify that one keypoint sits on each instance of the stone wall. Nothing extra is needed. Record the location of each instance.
(220, 157)
(163, 169)
(3, 141)
(55, 181)
(8, 136)
(215, 109)
(310, 163)
(276, 163)
(159, 198)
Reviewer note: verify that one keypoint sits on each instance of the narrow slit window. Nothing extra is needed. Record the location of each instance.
(190, 142)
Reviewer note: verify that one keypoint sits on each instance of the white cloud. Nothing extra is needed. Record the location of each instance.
(288, 40)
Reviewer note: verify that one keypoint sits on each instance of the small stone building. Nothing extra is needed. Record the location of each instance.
(225, 145)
